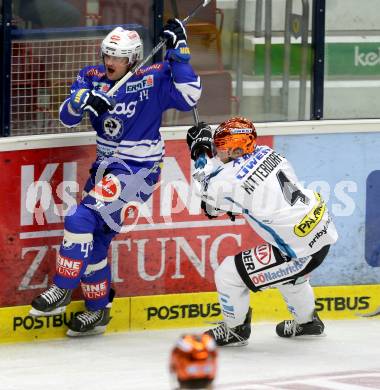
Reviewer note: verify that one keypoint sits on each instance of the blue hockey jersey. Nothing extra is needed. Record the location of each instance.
(130, 131)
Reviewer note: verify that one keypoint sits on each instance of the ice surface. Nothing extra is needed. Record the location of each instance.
(348, 358)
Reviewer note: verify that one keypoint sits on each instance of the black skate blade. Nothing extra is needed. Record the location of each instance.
(37, 313)
(92, 332)
(234, 345)
(306, 336)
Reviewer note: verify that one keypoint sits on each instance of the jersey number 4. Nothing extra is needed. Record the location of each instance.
(290, 191)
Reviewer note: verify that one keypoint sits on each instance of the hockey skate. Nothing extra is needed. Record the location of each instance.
(232, 337)
(291, 328)
(91, 323)
(51, 302)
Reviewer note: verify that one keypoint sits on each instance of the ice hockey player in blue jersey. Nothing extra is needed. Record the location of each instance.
(129, 156)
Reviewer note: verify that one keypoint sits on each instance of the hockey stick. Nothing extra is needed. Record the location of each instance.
(196, 115)
(371, 314)
(158, 47)
(201, 160)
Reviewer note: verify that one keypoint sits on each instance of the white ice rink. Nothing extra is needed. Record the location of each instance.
(348, 358)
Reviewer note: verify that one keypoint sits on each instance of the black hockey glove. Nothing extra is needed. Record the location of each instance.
(212, 212)
(231, 216)
(199, 140)
(98, 103)
(174, 32)
(207, 209)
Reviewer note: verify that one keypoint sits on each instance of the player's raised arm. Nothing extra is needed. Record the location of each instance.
(184, 87)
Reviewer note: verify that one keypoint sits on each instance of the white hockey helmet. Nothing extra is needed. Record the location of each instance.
(123, 43)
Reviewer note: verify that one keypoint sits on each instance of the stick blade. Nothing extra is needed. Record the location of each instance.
(371, 314)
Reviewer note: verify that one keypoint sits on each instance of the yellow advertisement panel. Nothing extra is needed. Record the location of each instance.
(174, 311)
(190, 310)
(17, 325)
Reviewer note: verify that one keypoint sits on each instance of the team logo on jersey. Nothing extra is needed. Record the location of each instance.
(312, 219)
(101, 86)
(108, 189)
(146, 82)
(113, 127)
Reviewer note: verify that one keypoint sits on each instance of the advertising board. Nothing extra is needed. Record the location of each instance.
(173, 248)
(163, 269)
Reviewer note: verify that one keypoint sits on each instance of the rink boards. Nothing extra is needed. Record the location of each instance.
(163, 268)
(190, 310)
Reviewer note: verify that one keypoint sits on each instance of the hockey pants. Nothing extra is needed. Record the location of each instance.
(90, 227)
(233, 288)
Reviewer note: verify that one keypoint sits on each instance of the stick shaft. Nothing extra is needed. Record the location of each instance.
(196, 115)
(158, 47)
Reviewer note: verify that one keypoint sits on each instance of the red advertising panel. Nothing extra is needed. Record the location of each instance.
(173, 248)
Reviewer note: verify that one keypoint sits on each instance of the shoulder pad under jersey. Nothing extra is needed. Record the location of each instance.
(95, 72)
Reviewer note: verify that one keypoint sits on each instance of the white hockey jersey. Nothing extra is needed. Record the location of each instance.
(264, 188)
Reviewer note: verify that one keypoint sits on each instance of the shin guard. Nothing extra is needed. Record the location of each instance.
(96, 284)
(72, 259)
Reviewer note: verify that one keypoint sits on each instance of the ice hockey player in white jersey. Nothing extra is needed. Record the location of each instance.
(240, 177)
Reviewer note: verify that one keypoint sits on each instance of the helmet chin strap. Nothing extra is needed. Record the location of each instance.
(130, 66)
